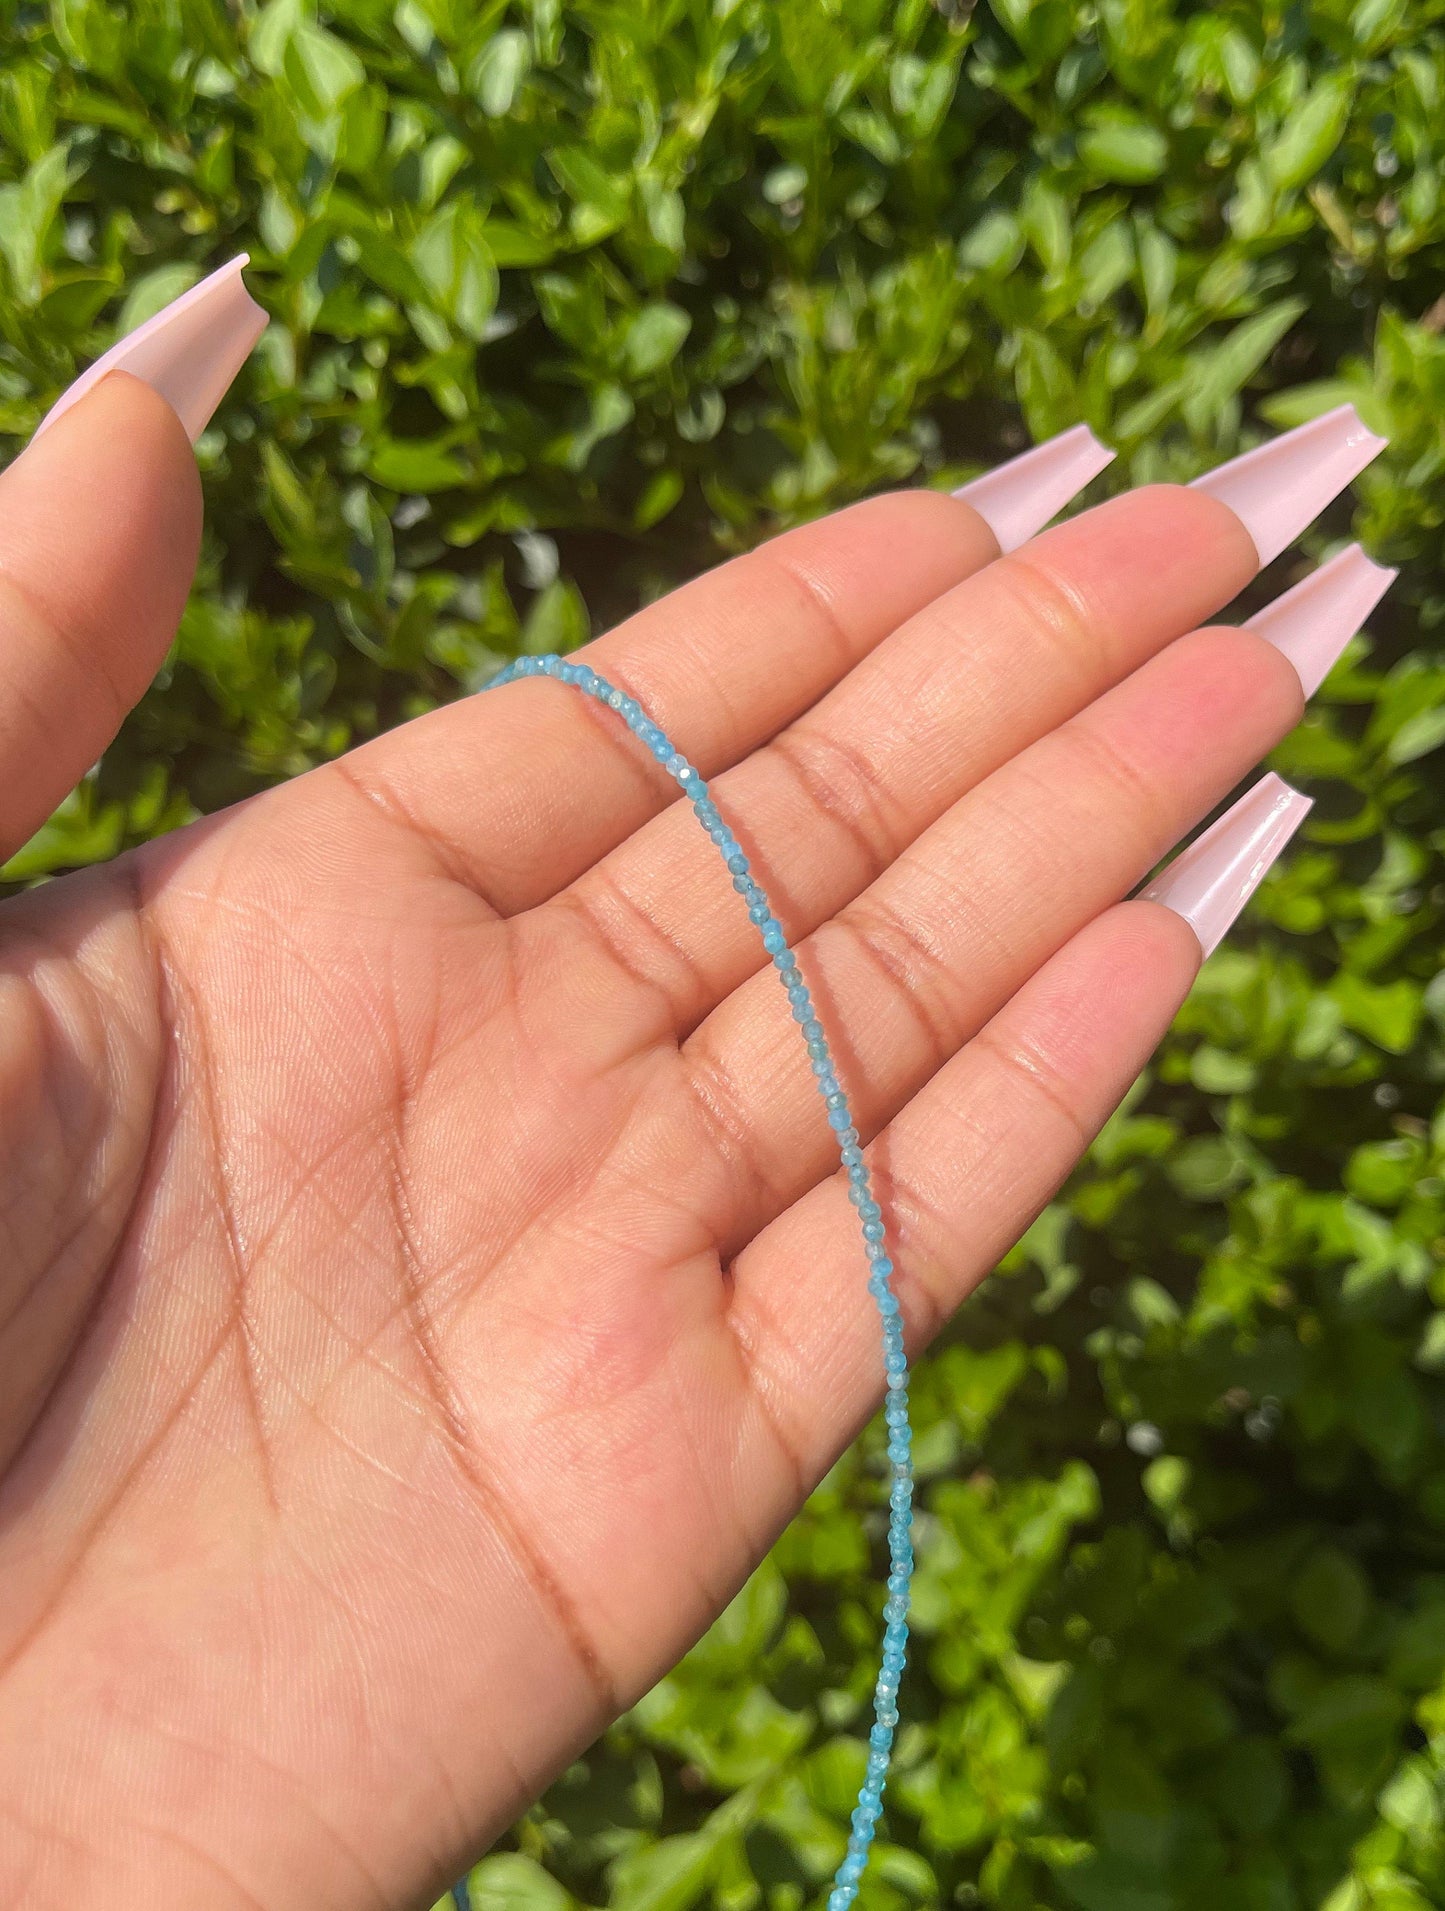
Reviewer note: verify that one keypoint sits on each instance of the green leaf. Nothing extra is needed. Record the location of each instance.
(668, 1876)
(600, 199)
(1348, 1713)
(557, 621)
(511, 1882)
(1310, 134)
(1128, 152)
(1330, 1598)
(271, 34)
(154, 292)
(27, 214)
(452, 258)
(75, 300)
(654, 337)
(321, 68)
(1418, 736)
(511, 244)
(1387, 1013)
(1228, 366)
(497, 73)
(416, 465)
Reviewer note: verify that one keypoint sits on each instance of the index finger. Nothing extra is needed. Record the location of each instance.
(524, 791)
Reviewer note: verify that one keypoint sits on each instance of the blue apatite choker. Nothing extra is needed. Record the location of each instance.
(880, 1268)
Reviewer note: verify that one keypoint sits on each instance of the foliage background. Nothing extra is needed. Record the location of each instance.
(571, 299)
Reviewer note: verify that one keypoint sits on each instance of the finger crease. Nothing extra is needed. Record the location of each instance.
(821, 608)
(1052, 605)
(721, 1105)
(1030, 1070)
(88, 653)
(380, 795)
(914, 972)
(758, 1388)
(854, 800)
(688, 985)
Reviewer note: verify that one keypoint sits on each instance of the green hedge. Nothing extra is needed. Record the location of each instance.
(569, 301)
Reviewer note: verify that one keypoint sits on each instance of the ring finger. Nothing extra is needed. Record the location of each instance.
(911, 970)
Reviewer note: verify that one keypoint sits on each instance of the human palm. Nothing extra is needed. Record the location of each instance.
(426, 1286)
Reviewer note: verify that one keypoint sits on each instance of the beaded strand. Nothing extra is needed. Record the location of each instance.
(900, 1433)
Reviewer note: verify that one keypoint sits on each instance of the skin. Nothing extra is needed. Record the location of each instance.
(426, 1285)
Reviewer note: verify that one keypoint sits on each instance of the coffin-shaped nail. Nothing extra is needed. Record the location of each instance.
(1313, 622)
(189, 352)
(1020, 497)
(1280, 487)
(1210, 882)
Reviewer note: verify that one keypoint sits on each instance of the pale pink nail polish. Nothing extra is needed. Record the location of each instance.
(1210, 882)
(1280, 487)
(1313, 622)
(189, 352)
(1020, 497)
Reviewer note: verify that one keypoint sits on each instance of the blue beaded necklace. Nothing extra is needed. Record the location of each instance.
(900, 1434)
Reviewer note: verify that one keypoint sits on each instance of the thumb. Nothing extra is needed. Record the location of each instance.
(100, 525)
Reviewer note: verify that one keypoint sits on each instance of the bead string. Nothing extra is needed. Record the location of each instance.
(900, 1434)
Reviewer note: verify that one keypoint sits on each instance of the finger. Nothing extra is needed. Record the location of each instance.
(100, 524)
(906, 974)
(526, 787)
(978, 675)
(959, 1175)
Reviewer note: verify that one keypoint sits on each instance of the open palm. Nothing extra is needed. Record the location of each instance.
(426, 1287)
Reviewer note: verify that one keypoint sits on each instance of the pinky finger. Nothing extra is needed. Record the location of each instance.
(966, 1166)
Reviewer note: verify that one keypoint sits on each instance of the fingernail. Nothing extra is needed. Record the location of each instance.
(1210, 882)
(189, 352)
(1313, 622)
(1021, 496)
(1280, 487)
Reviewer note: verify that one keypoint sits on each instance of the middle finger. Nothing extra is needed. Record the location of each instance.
(978, 675)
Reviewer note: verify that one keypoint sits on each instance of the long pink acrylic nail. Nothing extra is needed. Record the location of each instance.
(1313, 622)
(1210, 882)
(1018, 498)
(1280, 487)
(189, 352)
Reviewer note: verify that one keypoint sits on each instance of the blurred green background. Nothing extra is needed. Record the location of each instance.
(571, 300)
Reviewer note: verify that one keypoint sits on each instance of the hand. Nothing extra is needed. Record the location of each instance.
(426, 1285)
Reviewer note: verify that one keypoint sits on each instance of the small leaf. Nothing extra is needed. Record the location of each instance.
(1417, 736)
(154, 292)
(1230, 365)
(511, 1882)
(654, 337)
(496, 74)
(668, 1876)
(453, 259)
(1311, 133)
(1330, 1598)
(600, 199)
(1129, 152)
(321, 68)
(415, 465)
